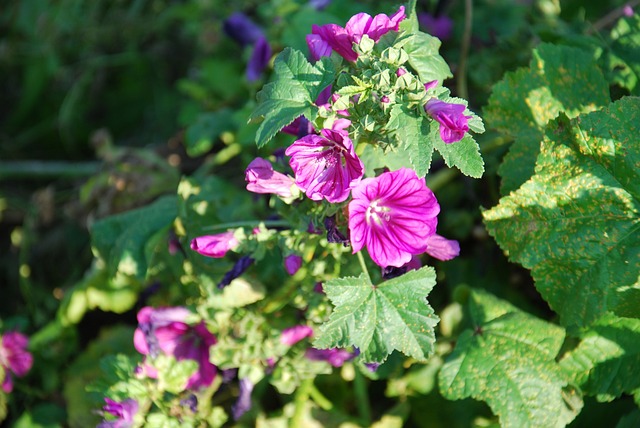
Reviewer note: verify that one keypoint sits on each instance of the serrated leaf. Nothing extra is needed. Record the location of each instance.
(378, 319)
(413, 134)
(296, 85)
(606, 363)
(576, 222)
(508, 361)
(464, 154)
(425, 59)
(559, 79)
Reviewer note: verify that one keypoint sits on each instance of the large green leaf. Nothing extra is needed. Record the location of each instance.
(559, 79)
(508, 361)
(378, 319)
(412, 131)
(576, 222)
(292, 93)
(423, 54)
(606, 363)
(626, 46)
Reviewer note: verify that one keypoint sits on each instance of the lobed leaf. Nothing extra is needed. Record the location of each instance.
(576, 222)
(508, 361)
(412, 131)
(424, 58)
(378, 319)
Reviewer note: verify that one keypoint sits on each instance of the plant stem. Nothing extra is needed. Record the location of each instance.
(611, 17)
(320, 399)
(300, 401)
(47, 169)
(461, 84)
(248, 223)
(362, 397)
(363, 265)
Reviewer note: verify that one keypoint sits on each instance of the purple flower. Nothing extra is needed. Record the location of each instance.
(14, 357)
(292, 263)
(442, 248)
(393, 215)
(453, 123)
(300, 127)
(244, 399)
(242, 29)
(627, 10)
(215, 245)
(439, 26)
(430, 85)
(324, 39)
(124, 412)
(325, 166)
(336, 357)
(165, 330)
(261, 178)
(292, 335)
(260, 57)
(238, 269)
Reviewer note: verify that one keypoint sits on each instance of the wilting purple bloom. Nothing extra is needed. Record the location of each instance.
(260, 57)
(242, 29)
(215, 245)
(244, 399)
(325, 166)
(292, 335)
(292, 263)
(14, 357)
(261, 178)
(442, 248)
(238, 269)
(324, 39)
(392, 215)
(124, 412)
(165, 330)
(333, 233)
(439, 26)
(453, 123)
(336, 357)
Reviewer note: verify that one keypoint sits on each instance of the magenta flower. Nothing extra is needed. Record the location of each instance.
(165, 330)
(453, 123)
(325, 166)
(393, 215)
(324, 39)
(440, 26)
(14, 357)
(292, 263)
(124, 411)
(261, 178)
(442, 248)
(215, 245)
(336, 357)
(292, 335)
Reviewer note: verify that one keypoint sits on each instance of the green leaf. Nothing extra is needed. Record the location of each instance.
(559, 79)
(292, 93)
(201, 136)
(626, 46)
(378, 319)
(375, 158)
(508, 361)
(631, 420)
(424, 58)
(464, 154)
(120, 239)
(606, 363)
(576, 222)
(413, 134)
(173, 375)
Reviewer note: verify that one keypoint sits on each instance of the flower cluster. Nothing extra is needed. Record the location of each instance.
(14, 357)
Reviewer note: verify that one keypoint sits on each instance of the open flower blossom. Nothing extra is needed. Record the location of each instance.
(261, 178)
(453, 122)
(393, 215)
(124, 412)
(331, 37)
(325, 166)
(14, 357)
(215, 245)
(164, 330)
(292, 335)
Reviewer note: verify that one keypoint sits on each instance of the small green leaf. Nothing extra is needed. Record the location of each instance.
(508, 361)
(423, 54)
(464, 154)
(606, 363)
(173, 375)
(413, 134)
(576, 222)
(378, 319)
(292, 93)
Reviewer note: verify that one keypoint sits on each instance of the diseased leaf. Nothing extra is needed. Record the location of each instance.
(378, 319)
(292, 93)
(606, 363)
(576, 222)
(559, 79)
(508, 361)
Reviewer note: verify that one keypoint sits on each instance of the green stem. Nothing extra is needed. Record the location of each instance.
(47, 169)
(248, 223)
(320, 399)
(464, 51)
(362, 397)
(363, 265)
(300, 401)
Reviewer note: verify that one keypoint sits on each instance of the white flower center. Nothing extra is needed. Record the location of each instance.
(377, 213)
